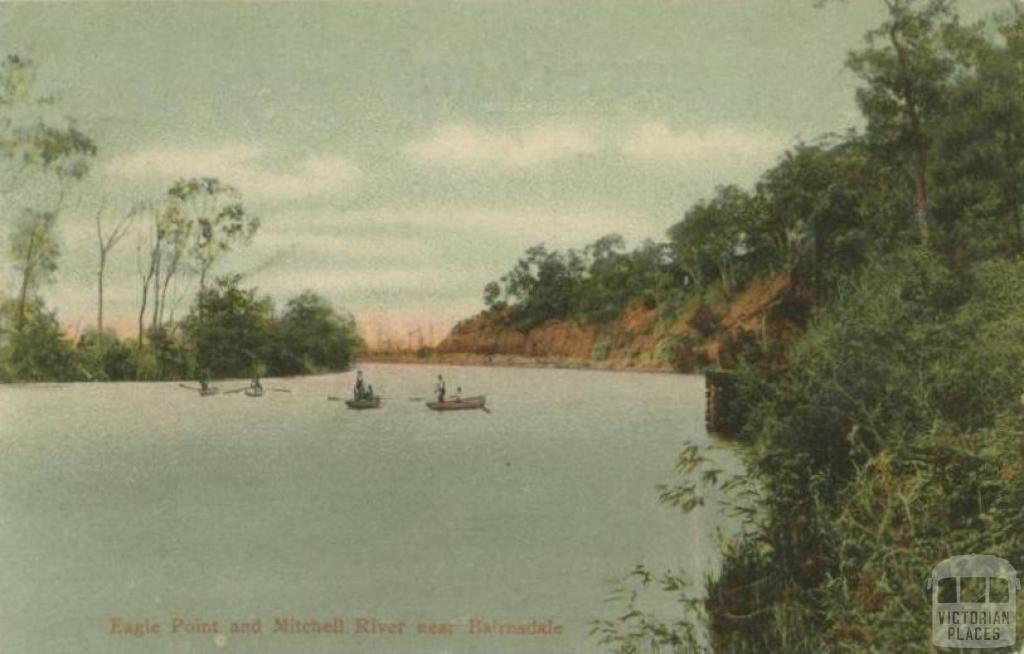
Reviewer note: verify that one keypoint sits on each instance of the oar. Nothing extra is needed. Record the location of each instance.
(485, 409)
(281, 390)
(191, 388)
(237, 390)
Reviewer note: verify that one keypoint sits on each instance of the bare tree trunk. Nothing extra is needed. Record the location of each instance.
(142, 312)
(99, 290)
(26, 278)
(917, 137)
(23, 299)
(147, 280)
(156, 290)
(172, 269)
(106, 244)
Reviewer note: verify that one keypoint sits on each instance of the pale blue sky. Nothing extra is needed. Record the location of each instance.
(403, 154)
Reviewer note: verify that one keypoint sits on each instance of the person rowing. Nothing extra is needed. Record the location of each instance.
(440, 388)
(359, 391)
(255, 384)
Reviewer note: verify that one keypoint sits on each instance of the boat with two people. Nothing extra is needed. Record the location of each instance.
(255, 388)
(456, 403)
(460, 404)
(363, 396)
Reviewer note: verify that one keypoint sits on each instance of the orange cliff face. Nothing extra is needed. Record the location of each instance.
(486, 333)
(698, 336)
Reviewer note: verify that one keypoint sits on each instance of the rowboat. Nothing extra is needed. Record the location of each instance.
(254, 392)
(365, 403)
(461, 404)
(203, 392)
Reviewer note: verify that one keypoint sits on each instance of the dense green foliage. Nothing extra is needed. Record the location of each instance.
(596, 284)
(311, 336)
(892, 442)
(230, 332)
(893, 437)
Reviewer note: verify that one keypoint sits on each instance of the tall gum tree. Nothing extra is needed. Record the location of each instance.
(219, 220)
(907, 68)
(35, 147)
(34, 249)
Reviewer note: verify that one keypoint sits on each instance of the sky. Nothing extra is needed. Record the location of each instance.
(400, 155)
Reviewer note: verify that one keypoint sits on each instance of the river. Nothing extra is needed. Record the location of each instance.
(145, 503)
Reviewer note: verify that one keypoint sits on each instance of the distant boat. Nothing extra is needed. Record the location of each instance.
(254, 391)
(365, 403)
(203, 392)
(476, 402)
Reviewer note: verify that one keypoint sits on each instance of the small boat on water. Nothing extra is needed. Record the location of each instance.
(364, 403)
(254, 392)
(203, 392)
(461, 404)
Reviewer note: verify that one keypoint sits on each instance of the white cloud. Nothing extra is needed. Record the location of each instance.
(242, 165)
(460, 145)
(470, 146)
(656, 142)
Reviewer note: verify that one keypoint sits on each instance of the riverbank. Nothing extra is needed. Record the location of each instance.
(515, 361)
(714, 331)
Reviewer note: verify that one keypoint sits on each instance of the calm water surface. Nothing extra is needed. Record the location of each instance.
(144, 501)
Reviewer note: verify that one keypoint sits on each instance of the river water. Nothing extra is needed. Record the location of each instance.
(144, 502)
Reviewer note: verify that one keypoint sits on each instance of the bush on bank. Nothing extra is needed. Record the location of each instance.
(230, 332)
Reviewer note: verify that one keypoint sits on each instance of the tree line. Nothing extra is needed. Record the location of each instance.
(181, 236)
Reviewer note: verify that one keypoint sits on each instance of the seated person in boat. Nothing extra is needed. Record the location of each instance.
(439, 389)
(458, 394)
(359, 392)
(369, 392)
